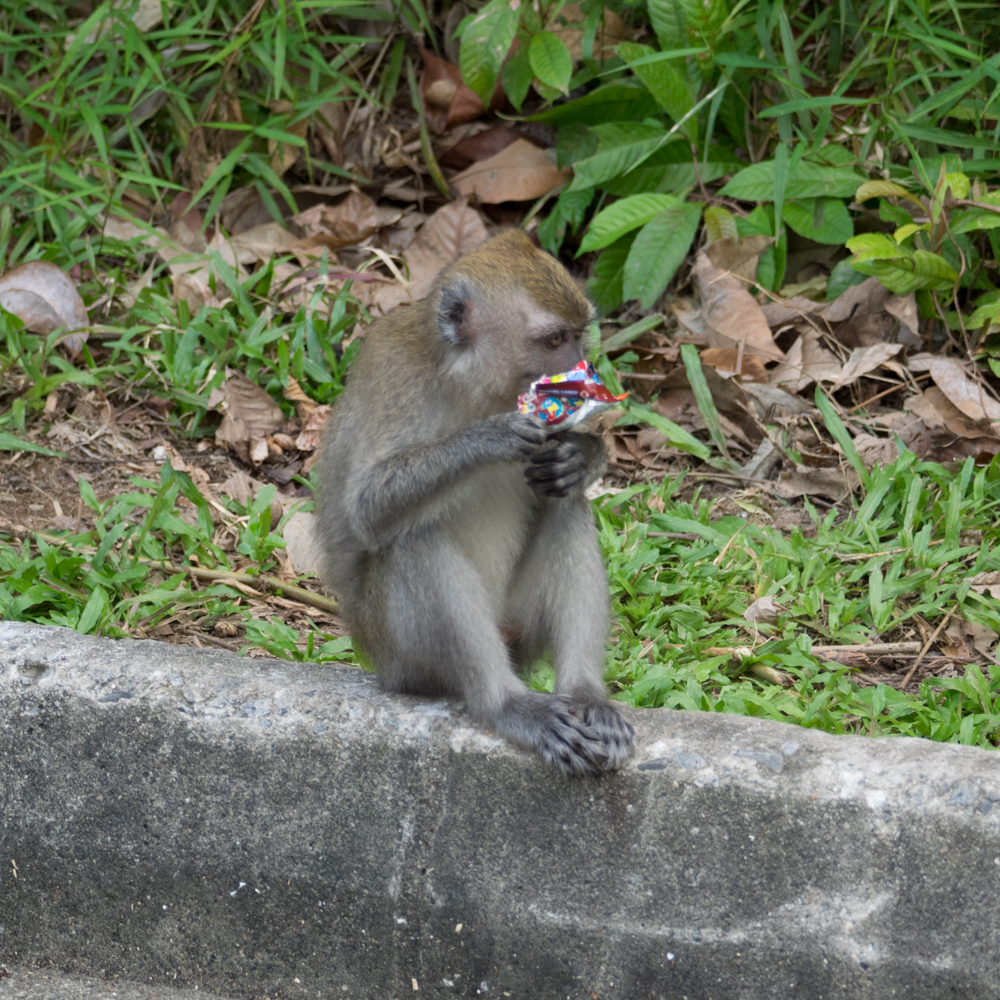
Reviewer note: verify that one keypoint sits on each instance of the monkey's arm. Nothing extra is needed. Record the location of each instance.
(396, 488)
(569, 463)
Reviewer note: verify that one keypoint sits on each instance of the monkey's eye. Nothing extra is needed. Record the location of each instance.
(557, 339)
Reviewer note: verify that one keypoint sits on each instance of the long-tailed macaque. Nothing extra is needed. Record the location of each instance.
(455, 530)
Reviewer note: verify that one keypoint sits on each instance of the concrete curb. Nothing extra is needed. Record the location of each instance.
(284, 830)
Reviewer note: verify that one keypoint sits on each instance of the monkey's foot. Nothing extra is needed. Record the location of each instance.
(614, 732)
(579, 739)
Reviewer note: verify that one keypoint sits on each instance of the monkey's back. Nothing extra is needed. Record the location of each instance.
(487, 515)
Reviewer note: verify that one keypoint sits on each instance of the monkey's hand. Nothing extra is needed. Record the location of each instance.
(569, 463)
(510, 437)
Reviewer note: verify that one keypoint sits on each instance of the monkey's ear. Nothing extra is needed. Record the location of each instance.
(454, 312)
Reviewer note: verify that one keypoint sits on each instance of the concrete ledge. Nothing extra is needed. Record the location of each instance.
(189, 817)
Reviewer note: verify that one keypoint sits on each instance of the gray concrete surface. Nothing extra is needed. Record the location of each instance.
(270, 829)
(18, 983)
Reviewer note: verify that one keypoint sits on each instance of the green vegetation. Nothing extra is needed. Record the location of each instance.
(814, 116)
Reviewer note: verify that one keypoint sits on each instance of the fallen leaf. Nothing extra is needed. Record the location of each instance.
(739, 257)
(835, 483)
(988, 583)
(354, 219)
(44, 298)
(936, 410)
(249, 415)
(302, 542)
(864, 360)
(520, 172)
(763, 611)
(731, 314)
(968, 396)
(294, 394)
(808, 361)
(448, 101)
(450, 231)
(873, 450)
(723, 360)
(480, 146)
(312, 428)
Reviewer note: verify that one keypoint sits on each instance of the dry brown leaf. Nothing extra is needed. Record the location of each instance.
(970, 397)
(249, 415)
(988, 582)
(302, 542)
(260, 243)
(874, 450)
(450, 231)
(294, 394)
(739, 257)
(312, 428)
(835, 483)
(448, 101)
(348, 223)
(731, 314)
(808, 361)
(479, 146)
(723, 360)
(864, 360)
(689, 317)
(520, 172)
(763, 611)
(937, 411)
(44, 298)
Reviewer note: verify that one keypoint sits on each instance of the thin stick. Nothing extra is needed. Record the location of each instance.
(929, 643)
(870, 648)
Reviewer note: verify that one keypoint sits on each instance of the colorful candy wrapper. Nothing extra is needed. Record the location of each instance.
(564, 400)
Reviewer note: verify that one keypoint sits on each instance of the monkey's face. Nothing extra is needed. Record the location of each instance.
(509, 313)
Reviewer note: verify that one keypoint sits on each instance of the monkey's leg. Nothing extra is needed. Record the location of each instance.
(560, 601)
(440, 634)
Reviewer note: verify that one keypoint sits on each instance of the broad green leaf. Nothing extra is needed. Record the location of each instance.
(720, 224)
(669, 18)
(659, 249)
(884, 189)
(959, 184)
(973, 219)
(905, 232)
(517, 76)
(825, 220)
(574, 143)
(622, 101)
(485, 44)
(876, 246)
(550, 60)
(608, 277)
(570, 209)
(923, 270)
(807, 180)
(620, 146)
(989, 313)
(624, 216)
(665, 83)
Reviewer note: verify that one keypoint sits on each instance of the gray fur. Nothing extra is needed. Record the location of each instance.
(456, 533)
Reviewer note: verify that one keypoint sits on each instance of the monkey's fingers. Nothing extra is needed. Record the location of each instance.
(553, 726)
(613, 730)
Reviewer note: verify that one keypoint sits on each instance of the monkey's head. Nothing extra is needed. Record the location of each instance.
(507, 313)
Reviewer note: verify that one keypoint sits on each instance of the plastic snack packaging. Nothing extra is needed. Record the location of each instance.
(566, 399)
